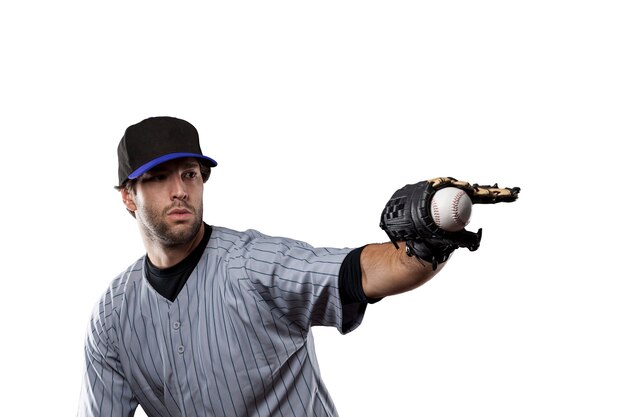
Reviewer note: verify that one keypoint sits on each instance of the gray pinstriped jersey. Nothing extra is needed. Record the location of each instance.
(235, 342)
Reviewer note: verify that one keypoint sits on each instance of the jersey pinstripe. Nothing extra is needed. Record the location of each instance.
(236, 341)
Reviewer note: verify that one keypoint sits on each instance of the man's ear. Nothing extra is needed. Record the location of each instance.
(129, 200)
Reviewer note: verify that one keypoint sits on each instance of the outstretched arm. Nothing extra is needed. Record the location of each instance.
(387, 271)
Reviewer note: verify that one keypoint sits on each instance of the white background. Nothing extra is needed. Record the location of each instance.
(317, 112)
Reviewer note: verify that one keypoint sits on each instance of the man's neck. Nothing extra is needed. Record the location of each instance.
(166, 257)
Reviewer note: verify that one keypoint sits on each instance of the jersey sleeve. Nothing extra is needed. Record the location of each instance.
(104, 391)
(297, 281)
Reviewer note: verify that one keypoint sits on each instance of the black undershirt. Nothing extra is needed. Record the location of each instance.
(350, 280)
(170, 281)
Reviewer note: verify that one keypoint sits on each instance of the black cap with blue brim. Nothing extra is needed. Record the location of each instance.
(154, 141)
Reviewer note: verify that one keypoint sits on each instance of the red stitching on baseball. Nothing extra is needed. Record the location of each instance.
(435, 212)
(455, 207)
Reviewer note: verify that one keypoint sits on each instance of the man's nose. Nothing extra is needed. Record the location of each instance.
(179, 189)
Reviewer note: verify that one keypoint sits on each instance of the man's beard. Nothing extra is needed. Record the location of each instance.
(167, 236)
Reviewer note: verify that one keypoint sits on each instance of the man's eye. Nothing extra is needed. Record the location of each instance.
(191, 174)
(155, 178)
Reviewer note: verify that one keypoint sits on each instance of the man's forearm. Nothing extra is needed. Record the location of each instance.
(388, 271)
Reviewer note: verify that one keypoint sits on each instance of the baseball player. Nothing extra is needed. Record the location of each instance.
(217, 322)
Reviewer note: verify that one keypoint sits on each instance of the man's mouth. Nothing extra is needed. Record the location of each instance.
(179, 213)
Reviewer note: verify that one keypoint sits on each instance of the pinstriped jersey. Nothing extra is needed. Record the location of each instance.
(235, 342)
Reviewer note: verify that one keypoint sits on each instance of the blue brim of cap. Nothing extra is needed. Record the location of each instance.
(161, 159)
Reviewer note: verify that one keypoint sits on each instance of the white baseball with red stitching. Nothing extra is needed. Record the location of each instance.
(451, 209)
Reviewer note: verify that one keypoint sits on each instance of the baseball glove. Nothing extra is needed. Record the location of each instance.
(407, 217)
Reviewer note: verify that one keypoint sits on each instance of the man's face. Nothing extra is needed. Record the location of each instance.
(168, 202)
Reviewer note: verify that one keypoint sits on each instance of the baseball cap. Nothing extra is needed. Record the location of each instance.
(154, 141)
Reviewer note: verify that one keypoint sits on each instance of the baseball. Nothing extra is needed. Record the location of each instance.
(451, 209)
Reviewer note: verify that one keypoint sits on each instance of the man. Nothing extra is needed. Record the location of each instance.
(217, 322)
